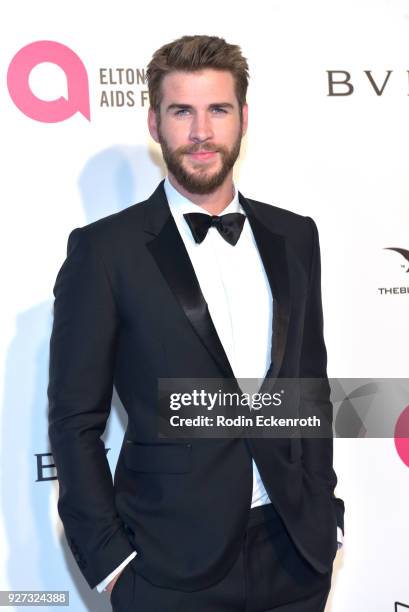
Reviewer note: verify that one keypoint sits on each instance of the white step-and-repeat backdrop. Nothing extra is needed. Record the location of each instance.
(328, 137)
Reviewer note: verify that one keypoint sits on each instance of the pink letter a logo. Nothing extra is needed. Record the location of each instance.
(43, 110)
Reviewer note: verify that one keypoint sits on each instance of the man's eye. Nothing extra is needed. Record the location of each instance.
(182, 111)
(219, 109)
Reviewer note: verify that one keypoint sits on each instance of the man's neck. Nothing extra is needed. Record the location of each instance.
(214, 202)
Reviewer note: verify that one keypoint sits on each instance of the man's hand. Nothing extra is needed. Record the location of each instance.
(111, 584)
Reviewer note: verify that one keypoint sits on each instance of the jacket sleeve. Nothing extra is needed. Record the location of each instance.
(82, 356)
(317, 452)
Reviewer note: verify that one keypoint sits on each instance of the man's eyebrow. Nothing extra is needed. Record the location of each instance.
(175, 105)
(222, 105)
(179, 106)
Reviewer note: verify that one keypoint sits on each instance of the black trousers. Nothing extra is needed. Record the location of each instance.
(269, 575)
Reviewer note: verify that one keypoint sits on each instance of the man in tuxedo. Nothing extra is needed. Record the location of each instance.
(197, 281)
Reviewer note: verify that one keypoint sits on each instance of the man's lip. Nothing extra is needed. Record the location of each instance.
(203, 154)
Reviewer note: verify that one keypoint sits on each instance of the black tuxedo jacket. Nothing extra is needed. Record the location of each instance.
(128, 309)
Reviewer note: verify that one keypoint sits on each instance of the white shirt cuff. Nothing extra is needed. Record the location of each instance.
(101, 586)
(340, 537)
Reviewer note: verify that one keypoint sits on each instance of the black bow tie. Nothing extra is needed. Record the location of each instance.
(229, 226)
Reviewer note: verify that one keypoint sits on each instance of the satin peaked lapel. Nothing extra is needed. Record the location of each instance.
(170, 254)
(272, 251)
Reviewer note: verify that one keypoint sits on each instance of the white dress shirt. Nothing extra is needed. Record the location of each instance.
(236, 288)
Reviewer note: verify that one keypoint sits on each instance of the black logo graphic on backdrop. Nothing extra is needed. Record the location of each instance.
(397, 290)
(403, 252)
(399, 606)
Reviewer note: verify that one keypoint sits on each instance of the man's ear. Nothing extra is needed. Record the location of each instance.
(153, 124)
(245, 117)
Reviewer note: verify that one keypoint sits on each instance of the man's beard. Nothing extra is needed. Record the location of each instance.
(202, 181)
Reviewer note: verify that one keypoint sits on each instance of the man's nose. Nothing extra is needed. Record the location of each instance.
(201, 128)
